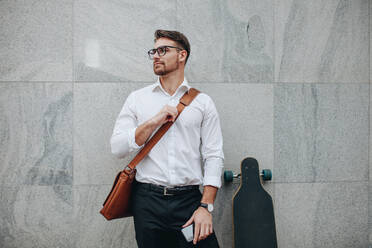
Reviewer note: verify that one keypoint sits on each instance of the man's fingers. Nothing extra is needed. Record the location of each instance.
(175, 113)
(205, 231)
(189, 222)
(174, 117)
(171, 117)
(171, 113)
(174, 110)
(202, 232)
(196, 233)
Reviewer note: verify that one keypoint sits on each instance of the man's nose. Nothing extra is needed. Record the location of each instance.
(156, 55)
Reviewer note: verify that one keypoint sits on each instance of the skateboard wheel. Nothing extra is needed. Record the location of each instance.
(228, 176)
(266, 175)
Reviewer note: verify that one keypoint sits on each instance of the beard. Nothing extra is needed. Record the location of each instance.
(162, 69)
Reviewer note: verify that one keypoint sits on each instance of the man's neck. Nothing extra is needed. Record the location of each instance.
(172, 81)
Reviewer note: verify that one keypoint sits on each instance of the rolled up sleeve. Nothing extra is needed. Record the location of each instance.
(212, 146)
(123, 137)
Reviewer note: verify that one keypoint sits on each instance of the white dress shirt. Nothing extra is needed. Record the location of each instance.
(195, 138)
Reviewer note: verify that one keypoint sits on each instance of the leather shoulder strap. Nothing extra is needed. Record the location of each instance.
(185, 100)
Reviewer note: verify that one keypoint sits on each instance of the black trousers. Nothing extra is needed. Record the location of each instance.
(158, 218)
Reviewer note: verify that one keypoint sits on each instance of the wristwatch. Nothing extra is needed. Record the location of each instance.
(207, 206)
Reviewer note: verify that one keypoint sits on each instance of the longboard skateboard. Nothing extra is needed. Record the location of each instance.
(253, 211)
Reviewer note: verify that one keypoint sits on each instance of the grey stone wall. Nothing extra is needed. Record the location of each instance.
(291, 81)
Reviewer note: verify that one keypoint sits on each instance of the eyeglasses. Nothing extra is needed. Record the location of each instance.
(162, 50)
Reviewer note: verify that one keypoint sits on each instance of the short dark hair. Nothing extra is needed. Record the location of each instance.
(176, 36)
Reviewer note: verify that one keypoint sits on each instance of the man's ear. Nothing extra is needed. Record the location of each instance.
(183, 55)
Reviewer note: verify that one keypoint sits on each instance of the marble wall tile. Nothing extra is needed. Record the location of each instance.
(93, 229)
(96, 107)
(111, 39)
(94, 163)
(246, 116)
(37, 216)
(222, 215)
(35, 133)
(321, 41)
(231, 41)
(321, 132)
(322, 214)
(36, 43)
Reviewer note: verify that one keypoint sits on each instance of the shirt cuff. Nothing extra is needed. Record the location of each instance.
(132, 140)
(212, 181)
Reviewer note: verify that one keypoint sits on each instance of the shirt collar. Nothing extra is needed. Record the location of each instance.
(157, 85)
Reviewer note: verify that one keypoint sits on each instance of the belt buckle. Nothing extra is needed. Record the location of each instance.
(165, 191)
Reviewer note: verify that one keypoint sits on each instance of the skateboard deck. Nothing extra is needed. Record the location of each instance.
(253, 211)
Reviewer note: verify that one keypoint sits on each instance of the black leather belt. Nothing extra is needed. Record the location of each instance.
(164, 190)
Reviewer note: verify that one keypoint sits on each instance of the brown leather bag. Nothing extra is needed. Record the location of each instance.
(117, 203)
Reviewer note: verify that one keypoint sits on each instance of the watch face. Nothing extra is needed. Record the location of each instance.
(210, 207)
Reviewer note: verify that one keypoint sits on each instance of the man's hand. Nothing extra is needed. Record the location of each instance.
(143, 132)
(167, 113)
(203, 224)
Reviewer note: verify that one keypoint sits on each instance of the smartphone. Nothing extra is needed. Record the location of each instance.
(188, 232)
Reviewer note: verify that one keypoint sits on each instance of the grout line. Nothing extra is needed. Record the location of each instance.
(191, 81)
(334, 83)
(369, 119)
(232, 183)
(73, 87)
(273, 93)
(73, 133)
(177, 28)
(274, 42)
(31, 82)
(320, 182)
(72, 42)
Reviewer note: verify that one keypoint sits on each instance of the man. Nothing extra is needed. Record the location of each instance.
(166, 196)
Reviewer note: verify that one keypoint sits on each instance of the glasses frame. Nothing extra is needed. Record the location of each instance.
(153, 51)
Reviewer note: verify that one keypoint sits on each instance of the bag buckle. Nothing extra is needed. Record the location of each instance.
(129, 171)
(165, 191)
